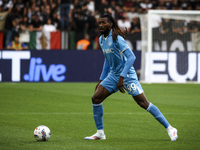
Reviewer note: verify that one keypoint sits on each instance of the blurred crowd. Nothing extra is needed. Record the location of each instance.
(80, 16)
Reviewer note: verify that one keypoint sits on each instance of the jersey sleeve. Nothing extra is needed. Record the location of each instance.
(122, 44)
(106, 69)
(129, 63)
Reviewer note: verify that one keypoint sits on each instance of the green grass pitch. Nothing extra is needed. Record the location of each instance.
(66, 109)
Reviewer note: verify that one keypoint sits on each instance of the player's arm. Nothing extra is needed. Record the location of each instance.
(105, 70)
(125, 49)
(104, 73)
(129, 63)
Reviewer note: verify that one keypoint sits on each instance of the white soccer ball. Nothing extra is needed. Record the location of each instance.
(42, 133)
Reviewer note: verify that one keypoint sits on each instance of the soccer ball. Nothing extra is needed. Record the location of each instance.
(42, 133)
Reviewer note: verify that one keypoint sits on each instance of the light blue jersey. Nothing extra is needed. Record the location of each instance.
(117, 64)
(113, 52)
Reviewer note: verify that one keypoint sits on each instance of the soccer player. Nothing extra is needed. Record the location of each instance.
(118, 74)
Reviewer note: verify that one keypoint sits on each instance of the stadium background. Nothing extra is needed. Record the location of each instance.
(72, 21)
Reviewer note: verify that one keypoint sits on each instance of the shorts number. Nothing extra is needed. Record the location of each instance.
(131, 87)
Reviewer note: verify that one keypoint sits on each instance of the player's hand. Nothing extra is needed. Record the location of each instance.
(120, 84)
(97, 85)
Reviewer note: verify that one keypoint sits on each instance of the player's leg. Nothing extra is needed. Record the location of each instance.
(106, 88)
(97, 100)
(99, 96)
(142, 101)
(134, 88)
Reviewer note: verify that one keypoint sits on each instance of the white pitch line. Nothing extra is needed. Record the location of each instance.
(74, 113)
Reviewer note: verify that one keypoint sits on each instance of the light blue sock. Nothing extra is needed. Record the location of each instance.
(98, 115)
(158, 115)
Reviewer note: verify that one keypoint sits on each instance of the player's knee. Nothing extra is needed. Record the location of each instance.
(143, 104)
(95, 100)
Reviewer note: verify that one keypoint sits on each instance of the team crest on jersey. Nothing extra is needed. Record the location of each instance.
(110, 43)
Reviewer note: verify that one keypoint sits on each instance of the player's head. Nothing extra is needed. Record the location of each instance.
(106, 23)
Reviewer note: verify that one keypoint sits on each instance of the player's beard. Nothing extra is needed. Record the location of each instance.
(102, 31)
(105, 32)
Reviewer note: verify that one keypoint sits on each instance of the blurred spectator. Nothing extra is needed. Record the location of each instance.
(80, 23)
(84, 8)
(37, 10)
(16, 44)
(31, 10)
(135, 25)
(8, 5)
(133, 13)
(189, 7)
(76, 6)
(193, 4)
(2, 20)
(146, 5)
(80, 17)
(165, 26)
(140, 10)
(24, 24)
(112, 8)
(124, 23)
(9, 28)
(20, 5)
(31, 2)
(118, 12)
(64, 13)
(1, 6)
(53, 5)
(91, 6)
(36, 24)
(174, 4)
(46, 13)
(44, 3)
(192, 26)
(197, 6)
(102, 7)
(128, 5)
(84, 44)
(18, 15)
(56, 20)
(184, 4)
(178, 26)
(163, 5)
(156, 3)
(91, 27)
(49, 27)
